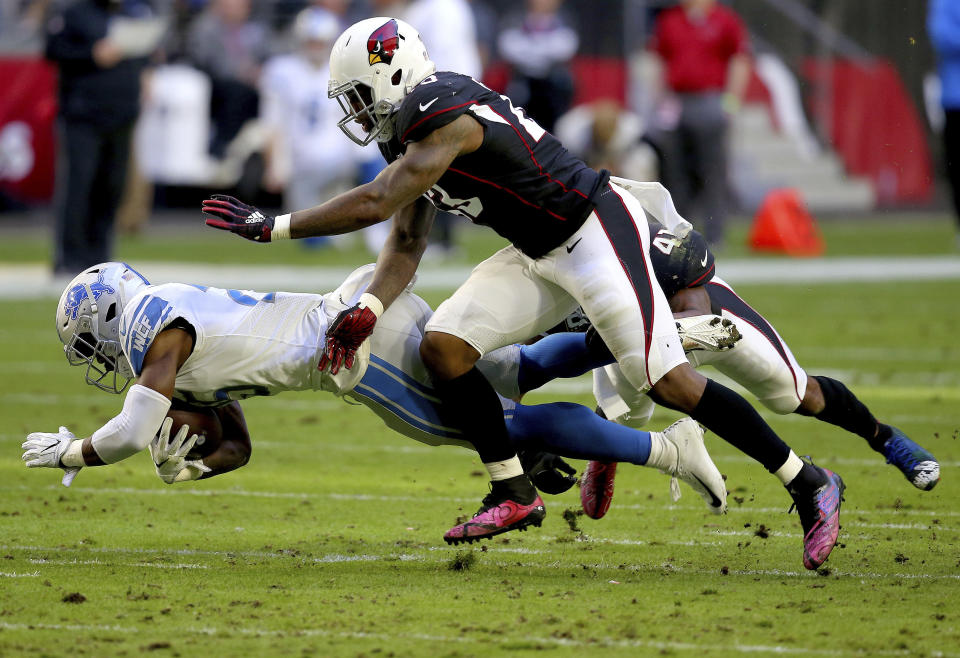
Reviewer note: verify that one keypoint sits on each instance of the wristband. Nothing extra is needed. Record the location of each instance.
(192, 470)
(281, 227)
(370, 301)
(73, 457)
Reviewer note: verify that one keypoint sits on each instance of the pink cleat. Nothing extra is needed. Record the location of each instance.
(596, 488)
(499, 513)
(819, 512)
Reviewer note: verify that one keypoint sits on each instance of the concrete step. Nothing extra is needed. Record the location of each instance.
(763, 159)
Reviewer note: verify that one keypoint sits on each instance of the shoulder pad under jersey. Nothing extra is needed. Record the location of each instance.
(435, 102)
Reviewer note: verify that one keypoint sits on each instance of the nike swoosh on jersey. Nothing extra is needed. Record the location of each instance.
(703, 263)
(573, 246)
(424, 106)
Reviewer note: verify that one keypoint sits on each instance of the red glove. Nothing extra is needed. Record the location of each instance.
(230, 214)
(348, 331)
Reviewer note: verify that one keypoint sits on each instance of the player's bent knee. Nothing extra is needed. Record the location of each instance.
(680, 389)
(782, 405)
(447, 356)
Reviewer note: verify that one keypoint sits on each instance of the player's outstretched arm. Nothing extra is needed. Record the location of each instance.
(400, 256)
(127, 433)
(395, 268)
(181, 459)
(397, 186)
(396, 265)
(234, 450)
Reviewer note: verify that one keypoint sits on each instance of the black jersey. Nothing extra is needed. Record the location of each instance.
(679, 263)
(521, 182)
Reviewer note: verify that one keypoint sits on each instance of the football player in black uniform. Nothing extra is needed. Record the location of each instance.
(576, 240)
(760, 361)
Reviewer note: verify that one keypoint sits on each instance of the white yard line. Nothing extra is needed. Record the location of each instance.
(435, 640)
(33, 280)
(13, 574)
(156, 565)
(443, 553)
(904, 513)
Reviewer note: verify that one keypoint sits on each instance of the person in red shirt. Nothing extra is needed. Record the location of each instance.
(706, 67)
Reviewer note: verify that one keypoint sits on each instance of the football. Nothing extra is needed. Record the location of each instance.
(204, 422)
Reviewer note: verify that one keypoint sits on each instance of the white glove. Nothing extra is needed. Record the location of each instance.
(45, 449)
(170, 455)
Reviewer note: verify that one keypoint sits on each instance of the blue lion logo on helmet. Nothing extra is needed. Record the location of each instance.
(79, 293)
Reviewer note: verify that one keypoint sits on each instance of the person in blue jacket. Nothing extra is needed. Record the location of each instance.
(943, 25)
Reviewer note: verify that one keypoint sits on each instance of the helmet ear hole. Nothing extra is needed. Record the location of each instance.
(397, 76)
(111, 312)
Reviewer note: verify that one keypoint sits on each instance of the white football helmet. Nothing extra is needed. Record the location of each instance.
(373, 66)
(88, 323)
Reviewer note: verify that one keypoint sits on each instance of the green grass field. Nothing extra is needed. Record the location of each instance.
(329, 542)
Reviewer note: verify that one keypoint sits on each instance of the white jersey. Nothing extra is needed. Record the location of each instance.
(246, 343)
(252, 343)
(295, 104)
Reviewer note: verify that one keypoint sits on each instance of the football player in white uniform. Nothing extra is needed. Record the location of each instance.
(577, 238)
(209, 347)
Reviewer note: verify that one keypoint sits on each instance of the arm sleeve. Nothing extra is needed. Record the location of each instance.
(134, 427)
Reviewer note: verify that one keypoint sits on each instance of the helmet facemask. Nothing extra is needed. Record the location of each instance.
(364, 120)
(106, 367)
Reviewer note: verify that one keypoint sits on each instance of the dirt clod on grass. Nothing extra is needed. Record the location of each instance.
(462, 561)
(74, 597)
(572, 519)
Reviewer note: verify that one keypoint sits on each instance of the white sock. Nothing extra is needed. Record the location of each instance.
(663, 453)
(508, 468)
(790, 468)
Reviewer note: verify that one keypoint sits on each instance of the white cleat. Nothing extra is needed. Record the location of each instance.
(694, 465)
(707, 332)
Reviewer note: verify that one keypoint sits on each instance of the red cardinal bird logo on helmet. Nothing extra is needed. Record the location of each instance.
(382, 44)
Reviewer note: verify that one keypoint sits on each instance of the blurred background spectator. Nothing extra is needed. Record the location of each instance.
(828, 109)
(449, 32)
(607, 136)
(306, 158)
(944, 28)
(538, 44)
(227, 44)
(703, 49)
(99, 101)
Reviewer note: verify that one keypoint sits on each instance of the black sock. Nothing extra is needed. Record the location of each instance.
(470, 402)
(518, 488)
(730, 417)
(843, 409)
(884, 432)
(810, 477)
